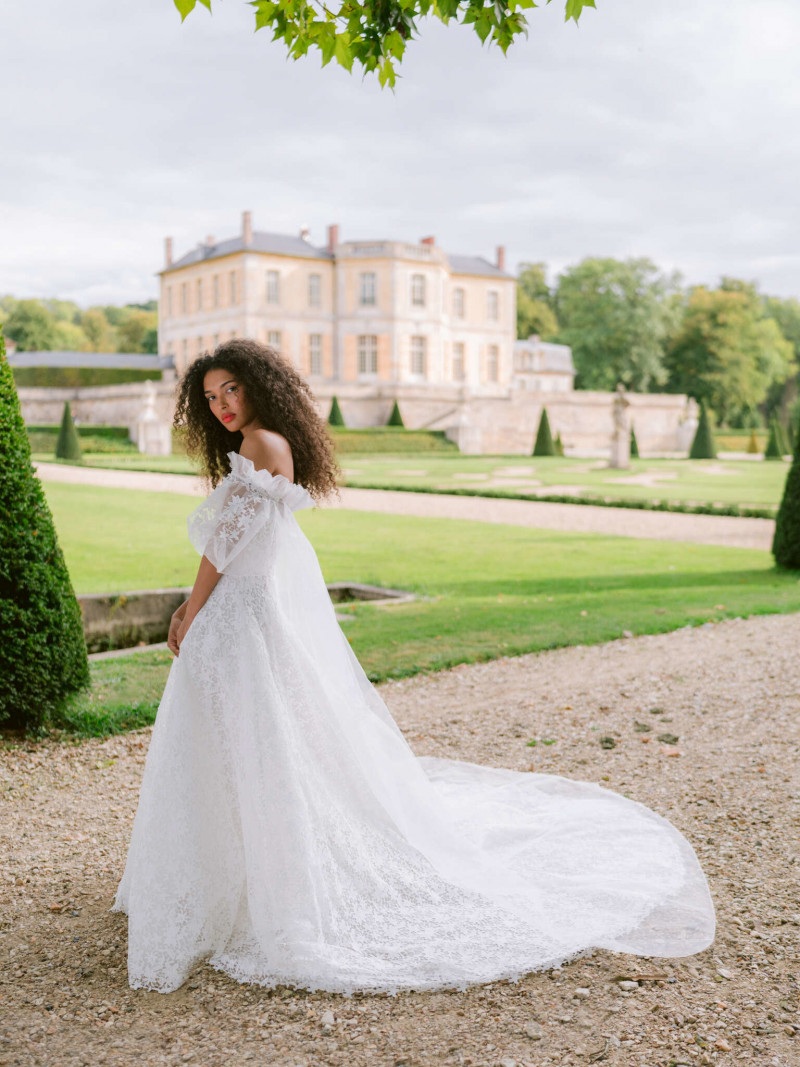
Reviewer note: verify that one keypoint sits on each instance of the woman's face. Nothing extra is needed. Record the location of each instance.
(226, 400)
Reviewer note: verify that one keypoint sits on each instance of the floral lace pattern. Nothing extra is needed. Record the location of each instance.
(287, 833)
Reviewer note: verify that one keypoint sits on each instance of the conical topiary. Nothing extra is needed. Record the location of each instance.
(395, 419)
(786, 540)
(703, 444)
(634, 444)
(783, 439)
(559, 445)
(68, 446)
(335, 416)
(752, 444)
(43, 653)
(544, 439)
(774, 449)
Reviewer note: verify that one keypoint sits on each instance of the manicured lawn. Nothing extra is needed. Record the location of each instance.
(746, 483)
(485, 591)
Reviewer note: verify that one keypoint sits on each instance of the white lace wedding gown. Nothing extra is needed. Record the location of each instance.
(287, 833)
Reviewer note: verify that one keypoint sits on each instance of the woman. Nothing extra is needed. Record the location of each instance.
(286, 833)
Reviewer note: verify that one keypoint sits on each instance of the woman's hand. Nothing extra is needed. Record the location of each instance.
(183, 629)
(174, 627)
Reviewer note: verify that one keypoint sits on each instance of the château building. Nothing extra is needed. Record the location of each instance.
(377, 312)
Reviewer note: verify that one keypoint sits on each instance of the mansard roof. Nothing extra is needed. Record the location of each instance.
(277, 244)
(281, 244)
(475, 265)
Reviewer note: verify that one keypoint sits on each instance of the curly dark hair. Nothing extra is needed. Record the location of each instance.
(281, 401)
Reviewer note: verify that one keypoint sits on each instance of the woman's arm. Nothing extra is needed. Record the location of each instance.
(207, 578)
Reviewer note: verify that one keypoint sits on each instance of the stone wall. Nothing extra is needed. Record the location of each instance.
(97, 405)
(506, 423)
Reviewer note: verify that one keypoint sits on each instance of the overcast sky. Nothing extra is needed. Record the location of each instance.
(665, 128)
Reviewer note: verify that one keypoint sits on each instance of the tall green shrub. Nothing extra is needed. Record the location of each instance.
(544, 439)
(68, 446)
(752, 444)
(777, 445)
(786, 540)
(395, 419)
(42, 652)
(559, 445)
(703, 444)
(335, 416)
(634, 444)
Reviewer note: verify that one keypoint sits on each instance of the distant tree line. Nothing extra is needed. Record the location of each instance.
(732, 347)
(48, 325)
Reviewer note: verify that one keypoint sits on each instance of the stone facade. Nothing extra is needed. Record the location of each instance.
(362, 312)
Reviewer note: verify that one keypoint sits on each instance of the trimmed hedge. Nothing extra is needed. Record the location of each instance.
(674, 506)
(395, 419)
(67, 445)
(786, 542)
(78, 377)
(390, 439)
(634, 444)
(42, 654)
(703, 445)
(774, 449)
(335, 416)
(545, 446)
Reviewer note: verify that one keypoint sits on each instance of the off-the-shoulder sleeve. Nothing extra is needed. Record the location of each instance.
(242, 505)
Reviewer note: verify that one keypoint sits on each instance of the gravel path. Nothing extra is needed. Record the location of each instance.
(622, 522)
(729, 694)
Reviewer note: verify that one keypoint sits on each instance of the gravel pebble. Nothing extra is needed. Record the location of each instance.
(731, 691)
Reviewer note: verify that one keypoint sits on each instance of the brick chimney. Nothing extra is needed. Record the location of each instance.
(305, 232)
(501, 257)
(333, 237)
(209, 241)
(427, 241)
(247, 228)
(168, 251)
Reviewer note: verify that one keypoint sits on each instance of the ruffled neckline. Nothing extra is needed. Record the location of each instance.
(276, 486)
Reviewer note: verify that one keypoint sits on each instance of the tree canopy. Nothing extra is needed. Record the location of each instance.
(616, 315)
(727, 351)
(535, 313)
(373, 34)
(45, 325)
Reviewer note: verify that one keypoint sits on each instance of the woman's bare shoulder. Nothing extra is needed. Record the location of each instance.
(268, 451)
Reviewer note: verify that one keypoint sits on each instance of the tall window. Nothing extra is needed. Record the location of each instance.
(315, 352)
(184, 298)
(199, 345)
(367, 289)
(274, 339)
(216, 340)
(418, 290)
(169, 302)
(493, 304)
(233, 286)
(273, 287)
(458, 361)
(215, 286)
(314, 290)
(493, 363)
(458, 303)
(199, 294)
(185, 351)
(367, 354)
(419, 356)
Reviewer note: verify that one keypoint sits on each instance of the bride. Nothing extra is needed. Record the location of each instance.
(286, 833)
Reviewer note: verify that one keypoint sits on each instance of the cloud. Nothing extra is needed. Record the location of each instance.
(667, 133)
